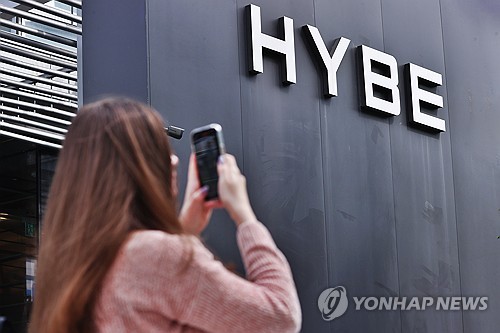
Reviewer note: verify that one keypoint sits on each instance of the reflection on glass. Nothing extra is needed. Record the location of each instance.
(25, 174)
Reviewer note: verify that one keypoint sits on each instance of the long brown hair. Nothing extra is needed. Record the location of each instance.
(113, 176)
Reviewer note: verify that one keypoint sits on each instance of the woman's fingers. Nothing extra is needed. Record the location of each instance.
(192, 180)
(192, 172)
(233, 191)
(200, 194)
(232, 195)
(212, 204)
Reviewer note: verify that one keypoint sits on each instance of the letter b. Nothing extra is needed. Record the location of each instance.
(379, 81)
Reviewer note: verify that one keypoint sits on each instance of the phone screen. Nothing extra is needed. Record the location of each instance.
(207, 153)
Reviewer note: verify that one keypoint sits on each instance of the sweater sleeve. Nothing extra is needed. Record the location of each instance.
(213, 299)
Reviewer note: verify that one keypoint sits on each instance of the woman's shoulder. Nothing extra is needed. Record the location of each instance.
(150, 242)
(147, 248)
(156, 247)
(145, 238)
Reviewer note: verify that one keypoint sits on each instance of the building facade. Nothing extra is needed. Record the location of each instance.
(354, 197)
(369, 138)
(38, 99)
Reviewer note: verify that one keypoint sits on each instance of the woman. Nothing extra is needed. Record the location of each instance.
(115, 257)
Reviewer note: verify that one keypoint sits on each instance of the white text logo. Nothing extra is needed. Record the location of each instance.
(333, 303)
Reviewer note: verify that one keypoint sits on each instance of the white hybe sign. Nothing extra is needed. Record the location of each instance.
(371, 80)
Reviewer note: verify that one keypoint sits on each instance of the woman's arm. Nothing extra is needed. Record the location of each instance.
(209, 297)
(215, 300)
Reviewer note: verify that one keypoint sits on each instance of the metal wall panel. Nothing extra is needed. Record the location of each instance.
(115, 50)
(422, 174)
(357, 175)
(472, 44)
(282, 154)
(194, 81)
(352, 198)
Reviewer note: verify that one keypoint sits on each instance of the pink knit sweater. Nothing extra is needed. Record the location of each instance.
(147, 289)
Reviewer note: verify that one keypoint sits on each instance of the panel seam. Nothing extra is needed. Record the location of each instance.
(392, 180)
(148, 53)
(323, 173)
(451, 161)
(241, 48)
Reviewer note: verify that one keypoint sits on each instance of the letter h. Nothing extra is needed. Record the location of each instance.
(258, 41)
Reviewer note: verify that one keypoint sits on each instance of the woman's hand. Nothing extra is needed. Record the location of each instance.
(195, 212)
(233, 190)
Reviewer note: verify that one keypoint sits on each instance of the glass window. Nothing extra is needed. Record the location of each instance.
(26, 171)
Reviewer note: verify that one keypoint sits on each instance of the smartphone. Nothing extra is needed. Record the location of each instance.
(207, 144)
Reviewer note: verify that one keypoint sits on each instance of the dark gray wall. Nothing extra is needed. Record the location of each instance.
(472, 44)
(115, 60)
(352, 198)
